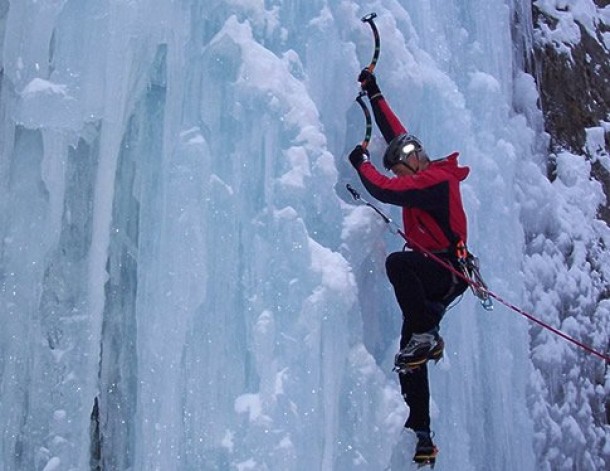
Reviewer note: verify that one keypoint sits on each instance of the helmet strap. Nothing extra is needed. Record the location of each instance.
(408, 166)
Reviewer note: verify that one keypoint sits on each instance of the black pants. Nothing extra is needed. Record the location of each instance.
(419, 281)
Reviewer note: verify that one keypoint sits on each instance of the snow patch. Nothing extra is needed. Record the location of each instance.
(53, 464)
(40, 86)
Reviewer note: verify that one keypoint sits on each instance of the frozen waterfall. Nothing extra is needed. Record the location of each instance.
(185, 284)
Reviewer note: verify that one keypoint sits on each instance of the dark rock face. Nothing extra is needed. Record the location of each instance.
(575, 85)
(575, 91)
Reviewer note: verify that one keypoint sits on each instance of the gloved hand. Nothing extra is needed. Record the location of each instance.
(358, 156)
(368, 82)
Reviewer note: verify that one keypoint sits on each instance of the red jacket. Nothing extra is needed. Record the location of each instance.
(433, 214)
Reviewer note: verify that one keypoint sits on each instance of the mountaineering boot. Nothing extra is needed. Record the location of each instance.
(425, 451)
(421, 348)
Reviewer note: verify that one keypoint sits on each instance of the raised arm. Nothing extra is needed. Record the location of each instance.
(387, 121)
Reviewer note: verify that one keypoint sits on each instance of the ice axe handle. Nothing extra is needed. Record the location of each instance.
(368, 120)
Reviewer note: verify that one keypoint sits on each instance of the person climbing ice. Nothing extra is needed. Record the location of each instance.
(434, 220)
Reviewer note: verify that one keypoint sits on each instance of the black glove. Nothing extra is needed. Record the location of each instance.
(368, 82)
(358, 156)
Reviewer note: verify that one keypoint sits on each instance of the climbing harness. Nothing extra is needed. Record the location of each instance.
(470, 267)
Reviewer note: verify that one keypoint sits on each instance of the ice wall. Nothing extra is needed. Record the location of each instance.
(184, 282)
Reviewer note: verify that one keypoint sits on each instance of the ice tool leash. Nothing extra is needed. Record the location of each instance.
(475, 281)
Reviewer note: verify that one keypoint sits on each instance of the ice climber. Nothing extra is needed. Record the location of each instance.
(434, 220)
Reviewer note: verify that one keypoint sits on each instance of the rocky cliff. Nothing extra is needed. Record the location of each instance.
(570, 390)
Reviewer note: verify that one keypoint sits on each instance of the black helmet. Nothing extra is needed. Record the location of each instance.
(401, 148)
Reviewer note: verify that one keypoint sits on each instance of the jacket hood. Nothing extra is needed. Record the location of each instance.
(450, 164)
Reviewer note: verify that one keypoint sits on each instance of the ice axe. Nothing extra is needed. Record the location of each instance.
(371, 67)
